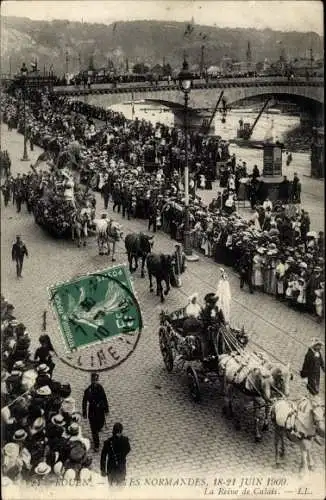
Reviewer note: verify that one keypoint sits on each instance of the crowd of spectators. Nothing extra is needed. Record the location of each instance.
(42, 437)
(139, 167)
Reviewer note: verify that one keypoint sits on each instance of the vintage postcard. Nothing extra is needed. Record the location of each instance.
(163, 255)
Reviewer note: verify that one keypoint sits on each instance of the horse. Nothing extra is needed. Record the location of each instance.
(107, 232)
(138, 245)
(300, 421)
(79, 226)
(161, 267)
(253, 376)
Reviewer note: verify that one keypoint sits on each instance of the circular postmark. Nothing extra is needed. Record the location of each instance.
(99, 319)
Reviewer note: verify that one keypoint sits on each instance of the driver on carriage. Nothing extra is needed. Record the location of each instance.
(211, 316)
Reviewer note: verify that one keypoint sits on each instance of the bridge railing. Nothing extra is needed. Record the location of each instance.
(198, 84)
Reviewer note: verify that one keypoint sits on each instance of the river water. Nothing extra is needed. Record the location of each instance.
(282, 124)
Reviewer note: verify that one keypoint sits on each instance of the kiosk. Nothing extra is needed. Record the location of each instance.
(272, 169)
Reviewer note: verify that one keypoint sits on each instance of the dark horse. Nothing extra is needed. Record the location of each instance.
(161, 267)
(138, 245)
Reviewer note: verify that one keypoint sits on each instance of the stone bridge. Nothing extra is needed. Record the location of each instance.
(309, 93)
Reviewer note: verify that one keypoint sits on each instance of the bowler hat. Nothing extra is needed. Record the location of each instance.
(211, 298)
(65, 390)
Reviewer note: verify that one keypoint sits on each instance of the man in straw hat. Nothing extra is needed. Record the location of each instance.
(313, 363)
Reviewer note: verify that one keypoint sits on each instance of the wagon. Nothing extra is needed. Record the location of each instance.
(183, 349)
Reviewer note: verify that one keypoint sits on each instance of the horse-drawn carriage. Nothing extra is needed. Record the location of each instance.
(218, 353)
(181, 345)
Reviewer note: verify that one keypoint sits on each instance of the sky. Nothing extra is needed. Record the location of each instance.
(286, 15)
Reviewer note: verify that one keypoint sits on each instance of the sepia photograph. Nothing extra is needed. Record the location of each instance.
(162, 249)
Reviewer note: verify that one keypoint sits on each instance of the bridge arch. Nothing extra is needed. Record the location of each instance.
(205, 96)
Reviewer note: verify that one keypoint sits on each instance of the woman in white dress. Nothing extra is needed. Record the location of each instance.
(258, 263)
(223, 292)
(255, 219)
(231, 183)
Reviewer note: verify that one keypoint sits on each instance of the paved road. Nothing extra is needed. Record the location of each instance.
(169, 433)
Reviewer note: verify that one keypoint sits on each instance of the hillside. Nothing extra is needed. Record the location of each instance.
(23, 39)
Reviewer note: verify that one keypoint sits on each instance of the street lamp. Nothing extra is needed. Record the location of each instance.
(24, 72)
(185, 78)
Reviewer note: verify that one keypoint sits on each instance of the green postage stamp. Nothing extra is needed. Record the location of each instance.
(96, 308)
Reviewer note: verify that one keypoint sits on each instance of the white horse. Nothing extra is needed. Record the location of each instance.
(108, 232)
(300, 421)
(253, 376)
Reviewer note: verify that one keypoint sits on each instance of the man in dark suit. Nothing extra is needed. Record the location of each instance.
(245, 269)
(106, 188)
(284, 190)
(114, 454)
(18, 253)
(95, 401)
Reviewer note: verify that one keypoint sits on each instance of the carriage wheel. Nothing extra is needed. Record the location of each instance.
(166, 350)
(193, 384)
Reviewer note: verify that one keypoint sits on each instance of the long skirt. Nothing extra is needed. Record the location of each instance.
(270, 281)
(257, 275)
(280, 287)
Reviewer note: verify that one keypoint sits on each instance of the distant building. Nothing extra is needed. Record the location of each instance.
(241, 68)
(226, 64)
(303, 66)
(266, 64)
(214, 71)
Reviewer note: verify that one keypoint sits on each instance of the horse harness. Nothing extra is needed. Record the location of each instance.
(291, 419)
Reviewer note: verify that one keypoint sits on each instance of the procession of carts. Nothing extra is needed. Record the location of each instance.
(183, 350)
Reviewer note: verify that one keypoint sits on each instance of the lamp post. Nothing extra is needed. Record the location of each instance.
(23, 72)
(185, 83)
